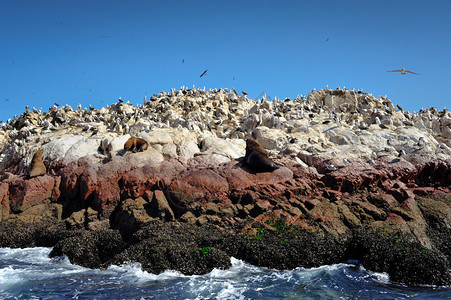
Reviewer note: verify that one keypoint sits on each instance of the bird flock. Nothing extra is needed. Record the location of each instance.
(227, 113)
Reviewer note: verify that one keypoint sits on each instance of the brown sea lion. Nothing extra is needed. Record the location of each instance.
(136, 144)
(37, 166)
(256, 158)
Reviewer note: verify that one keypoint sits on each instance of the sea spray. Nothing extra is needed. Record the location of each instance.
(29, 273)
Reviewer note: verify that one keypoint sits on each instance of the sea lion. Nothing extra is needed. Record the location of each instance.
(135, 144)
(37, 166)
(256, 158)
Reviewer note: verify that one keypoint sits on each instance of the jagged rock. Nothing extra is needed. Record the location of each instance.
(25, 193)
(45, 212)
(4, 201)
(131, 215)
(159, 206)
(81, 218)
(352, 168)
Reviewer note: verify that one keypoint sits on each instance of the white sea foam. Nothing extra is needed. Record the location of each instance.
(31, 270)
(134, 272)
(31, 264)
(380, 277)
(8, 276)
(238, 267)
(38, 255)
(229, 291)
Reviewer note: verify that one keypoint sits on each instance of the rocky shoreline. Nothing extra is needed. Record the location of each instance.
(360, 180)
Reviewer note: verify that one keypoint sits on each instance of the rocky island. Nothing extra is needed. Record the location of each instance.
(356, 178)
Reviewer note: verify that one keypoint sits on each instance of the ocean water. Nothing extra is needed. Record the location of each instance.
(30, 274)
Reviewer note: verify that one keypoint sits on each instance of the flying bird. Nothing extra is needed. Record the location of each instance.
(204, 73)
(183, 60)
(403, 71)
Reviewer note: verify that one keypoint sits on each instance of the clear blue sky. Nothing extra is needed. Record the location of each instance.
(93, 52)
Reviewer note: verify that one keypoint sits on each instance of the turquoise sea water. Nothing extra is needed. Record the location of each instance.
(30, 274)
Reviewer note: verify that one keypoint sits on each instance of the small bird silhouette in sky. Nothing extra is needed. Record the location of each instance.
(404, 71)
(205, 72)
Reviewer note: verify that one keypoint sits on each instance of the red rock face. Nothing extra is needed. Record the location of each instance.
(69, 179)
(25, 193)
(352, 196)
(200, 183)
(240, 179)
(107, 197)
(137, 181)
(4, 201)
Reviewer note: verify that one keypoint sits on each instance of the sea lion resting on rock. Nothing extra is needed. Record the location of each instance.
(136, 144)
(37, 166)
(256, 158)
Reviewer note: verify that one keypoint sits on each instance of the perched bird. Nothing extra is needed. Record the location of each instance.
(203, 73)
(404, 71)
(372, 162)
(421, 142)
(244, 93)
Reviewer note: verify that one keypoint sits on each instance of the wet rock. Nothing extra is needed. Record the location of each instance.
(182, 247)
(401, 256)
(90, 249)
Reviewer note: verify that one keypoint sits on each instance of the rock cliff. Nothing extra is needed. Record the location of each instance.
(360, 180)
